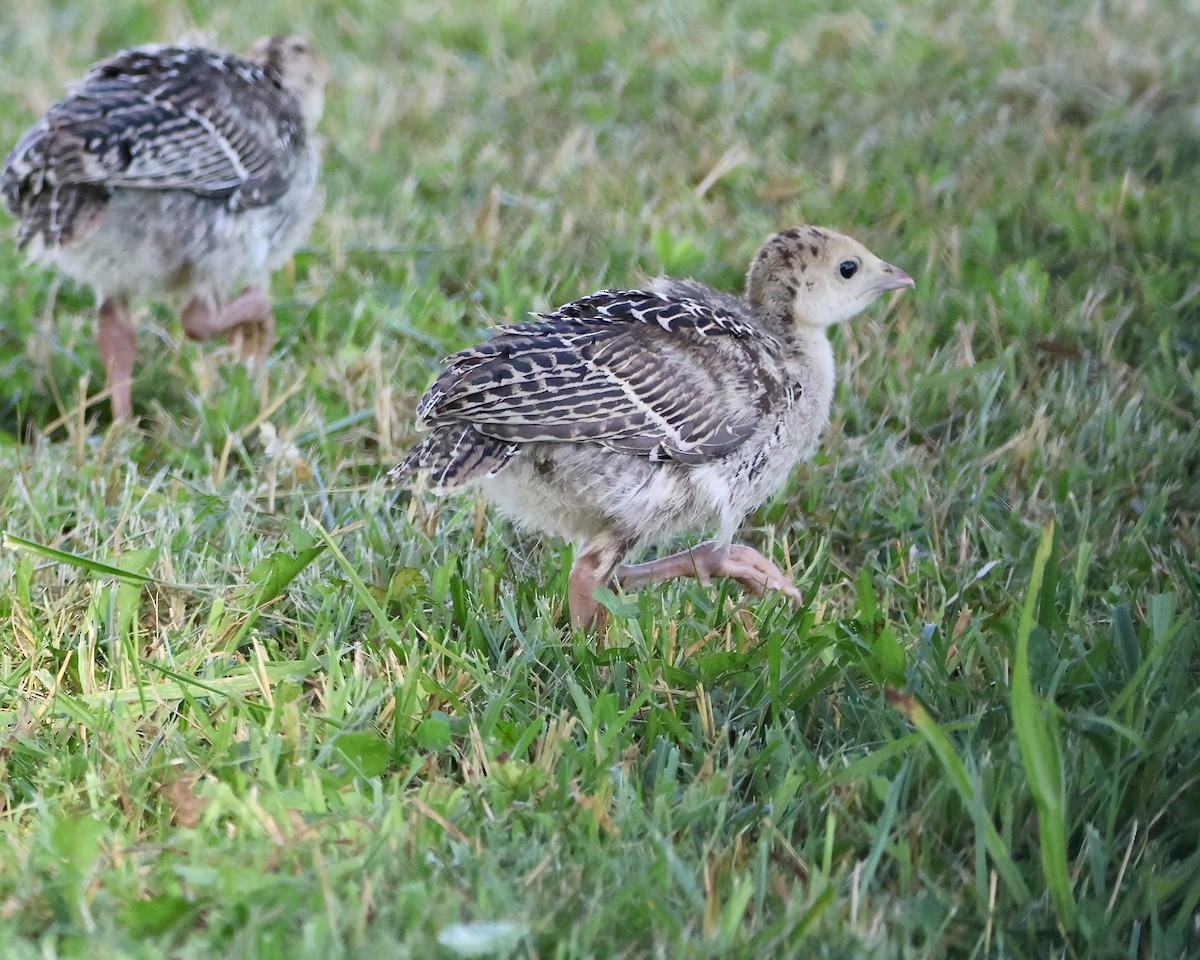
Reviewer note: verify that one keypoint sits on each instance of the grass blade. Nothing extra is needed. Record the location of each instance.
(952, 763)
(1127, 644)
(1041, 749)
(94, 567)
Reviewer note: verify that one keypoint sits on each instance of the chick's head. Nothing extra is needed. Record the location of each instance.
(299, 67)
(812, 276)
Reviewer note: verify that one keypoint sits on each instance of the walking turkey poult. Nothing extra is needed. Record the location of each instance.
(173, 172)
(628, 417)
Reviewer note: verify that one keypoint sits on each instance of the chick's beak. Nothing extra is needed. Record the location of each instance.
(893, 278)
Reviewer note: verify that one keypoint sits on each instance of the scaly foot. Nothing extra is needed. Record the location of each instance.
(711, 559)
(247, 322)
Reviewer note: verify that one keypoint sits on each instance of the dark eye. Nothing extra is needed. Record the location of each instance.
(847, 268)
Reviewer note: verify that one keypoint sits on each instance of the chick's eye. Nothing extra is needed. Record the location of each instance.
(847, 268)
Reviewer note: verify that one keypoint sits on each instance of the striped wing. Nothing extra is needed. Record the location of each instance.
(639, 372)
(166, 118)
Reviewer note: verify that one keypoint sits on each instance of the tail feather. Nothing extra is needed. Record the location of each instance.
(58, 215)
(453, 456)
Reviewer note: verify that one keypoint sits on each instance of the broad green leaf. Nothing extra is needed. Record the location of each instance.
(433, 733)
(156, 915)
(76, 841)
(129, 591)
(363, 754)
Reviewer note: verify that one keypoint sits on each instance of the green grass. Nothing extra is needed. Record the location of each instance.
(254, 703)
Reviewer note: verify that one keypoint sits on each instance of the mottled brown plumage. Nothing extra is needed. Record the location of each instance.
(172, 171)
(628, 417)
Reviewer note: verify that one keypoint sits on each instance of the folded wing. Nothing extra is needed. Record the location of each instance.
(164, 118)
(633, 371)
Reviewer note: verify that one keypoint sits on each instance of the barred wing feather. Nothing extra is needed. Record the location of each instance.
(632, 371)
(166, 118)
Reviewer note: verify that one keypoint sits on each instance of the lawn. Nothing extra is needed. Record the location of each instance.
(255, 703)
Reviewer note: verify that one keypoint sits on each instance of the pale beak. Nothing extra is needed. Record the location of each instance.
(893, 279)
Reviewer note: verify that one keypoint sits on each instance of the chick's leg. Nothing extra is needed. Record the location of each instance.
(594, 567)
(118, 351)
(247, 322)
(711, 559)
(250, 323)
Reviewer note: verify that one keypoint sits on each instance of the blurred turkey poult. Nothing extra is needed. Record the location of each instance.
(176, 173)
(629, 417)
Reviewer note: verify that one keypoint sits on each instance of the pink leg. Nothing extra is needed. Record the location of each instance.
(593, 567)
(118, 351)
(711, 559)
(247, 321)
(599, 565)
